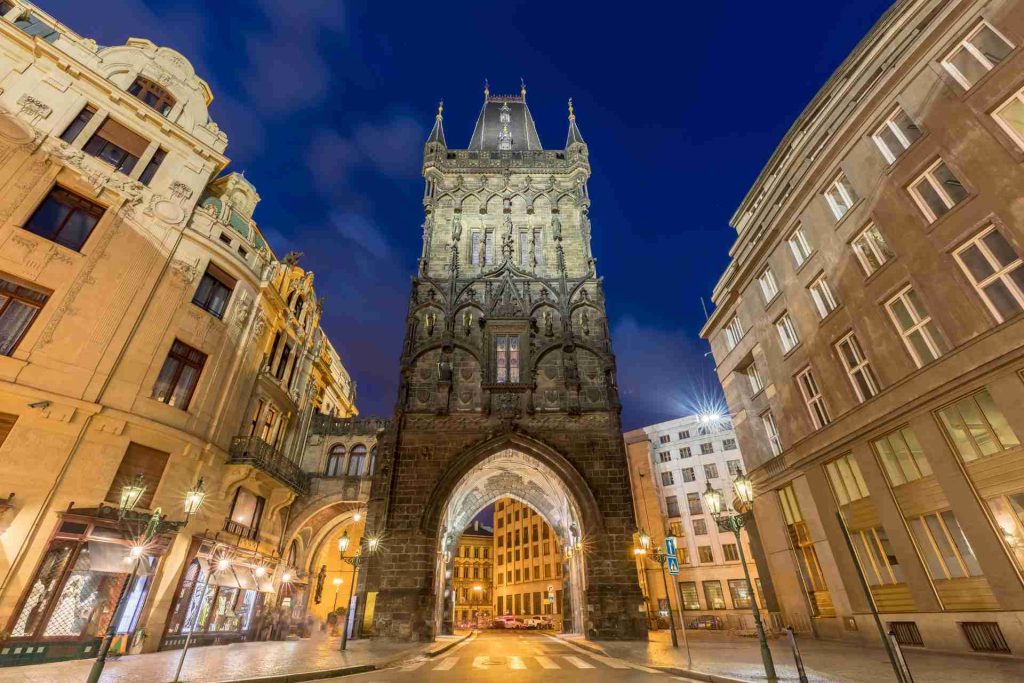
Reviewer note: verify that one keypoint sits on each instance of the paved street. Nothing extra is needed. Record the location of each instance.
(494, 656)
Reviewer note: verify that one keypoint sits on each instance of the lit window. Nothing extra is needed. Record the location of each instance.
(730, 552)
(876, 557)
(821, 294)
(895, 135)
(733, 332)
(507, 358)
(739, 589)
(713, 592)
(1009, 514)
(840, 196)
(799, 245)
(246, 510)
(772, 432)
(1010, 116)
(846, 479)
(994, 269)
(945, 549)
(813, 399)
(787, 333)
(937, 191)
(902, 456)
(754, 377)
(769, 287)
(871, 249)
(179, 375)
(976, 55)
(19, 306)
(705, 555)
(857, 367)
(153, 95)
(977, 427)
(920, 334)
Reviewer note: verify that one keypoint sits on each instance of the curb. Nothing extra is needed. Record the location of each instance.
(441, 649)
(697, 675)
(587, 645)
(308, 675)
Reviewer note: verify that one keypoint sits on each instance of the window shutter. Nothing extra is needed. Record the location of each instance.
(138, 459)
(120, 135)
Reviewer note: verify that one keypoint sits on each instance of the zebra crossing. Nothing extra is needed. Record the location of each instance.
(457, 662)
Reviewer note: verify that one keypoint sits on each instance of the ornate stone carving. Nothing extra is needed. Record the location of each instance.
(180, 191)
(33, 108)
(185, 270)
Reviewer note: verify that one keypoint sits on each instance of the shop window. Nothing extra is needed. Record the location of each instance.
(977, 427)
(810, 569)
(740, 593)
(714, 595)
(688, 591)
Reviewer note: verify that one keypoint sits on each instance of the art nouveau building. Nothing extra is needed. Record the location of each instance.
(147, 334)
(868, 336)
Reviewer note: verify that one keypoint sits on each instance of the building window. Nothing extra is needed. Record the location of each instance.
(735, 467)
(335, 458)
(116, 145)
(685, 434)
(688, 591)
(19, 307)
(799, 245)
(1009, 515)
(246, 513)
(713, 594)
(672, 506)
(152, 167)
(704, 554)
(871, 249)
(769, 286)
(76, 127)
(153, 95)
(847, 481)
(945, 549)
(139, 460)
(740, 592)
(813, 399)
(733, 332)
(667, 479)
(810, 569)
(772, 431)
(730, 553)
(711, 471)
(976, 427)
(787, 333)
(707, 448)
(179, 375)
(902, 456)
(729, 445)
(937, 191)
(688, 474)
(489, 247)
(700, 527)
(65, 218)
(685, 452)
(665, 456)
(1010, 116)
(976, 55)
(896, 134)
(214, 291)
(919, 333)
(994, 269)
(474, 248)
(356, 461)
(693, 504)
(840, 196)
(876, 557)
(34, 26)
(507, 358)
(857, 367)
(664, 438)
(821, 295)
(755, 379)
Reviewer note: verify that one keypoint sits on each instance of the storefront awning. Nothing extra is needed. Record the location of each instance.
(265, 583)
(114, 558)
(245, 578)
(225, 578)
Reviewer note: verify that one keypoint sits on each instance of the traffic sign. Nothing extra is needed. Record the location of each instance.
(672, 559)
(673, 565)
(670, 546)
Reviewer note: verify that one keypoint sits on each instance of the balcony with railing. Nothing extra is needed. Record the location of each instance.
(254, 451)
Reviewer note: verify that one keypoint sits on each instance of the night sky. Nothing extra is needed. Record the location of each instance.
(327, 104)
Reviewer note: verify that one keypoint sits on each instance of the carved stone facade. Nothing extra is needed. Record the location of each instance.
(506, 352)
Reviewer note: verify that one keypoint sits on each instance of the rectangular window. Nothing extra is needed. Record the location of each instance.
(667, 479)
(704, 554)
(507, 358)
(19, 307)
(685, 452)
(729, 445)
(769, 286)
(685, 434)
(247, 510)
(847, 481)
(787, 333)
(813, 399)
(937, 191)
(733, 332)
(755, 379)
(871, 249)
(1010, 116)
(489, 247)
(810, 569)
(688, 591)
(34, 26)
(707, 448)
(538, 247)
(977, 427)
(740, 592)
(976, 55)
(840, 196)
(942, 544)
(474, 248)
(76, 127)
(772, 431)
(65, 218)
(730, 553)
(672, 506)
(665, 456)
(735, 467)
(799, 245)
(214, 291)
(896, 134)
(994, 269)
(713, 594)
(116, 145)
(821, 295)
(139, 459)
(693, 503)
(700, 527)
(664, 438)
(902, 457)
(152, 167)
(179, 375)
(919, 333)
(711, 471)
(857, 367)
(688, 474)
(1009, 516)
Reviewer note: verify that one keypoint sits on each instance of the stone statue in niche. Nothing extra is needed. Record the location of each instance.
(467, 322)
(549, 329)
(556, 228)
(444, 368)
(430, 320)
(456, 230)
(585, 324)
(507, 247)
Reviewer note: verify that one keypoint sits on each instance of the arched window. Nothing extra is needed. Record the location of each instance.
(373, 462)
(335, 458)
(152, 94)
(357, 461)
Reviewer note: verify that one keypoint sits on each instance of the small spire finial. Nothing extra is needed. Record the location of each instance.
(487, 89)
(572, 113)
(440, 109)
(522, 87)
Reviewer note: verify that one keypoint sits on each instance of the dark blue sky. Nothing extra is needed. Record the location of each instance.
(327, 104)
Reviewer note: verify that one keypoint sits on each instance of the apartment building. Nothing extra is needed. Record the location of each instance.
(527, 563)
(868, 334)
(472, 577)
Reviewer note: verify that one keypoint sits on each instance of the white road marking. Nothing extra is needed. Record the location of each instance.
(481, 662)
(578, 663)
(608, 661)
(516, 663)
(547, 663)
(413, 666)
(446, 664)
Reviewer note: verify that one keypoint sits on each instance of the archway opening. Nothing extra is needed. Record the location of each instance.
(333, 581)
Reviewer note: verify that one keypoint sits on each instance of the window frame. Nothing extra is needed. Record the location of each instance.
(785, 322)
(969, 430)
(965, 43)
(183, 361)
(814, 400)
(511, 372)
(771, 429)
(824, 299)
(78, 204)
(11, 293)
(928, 176)
(863, 368)
(219, 277)
(1016, 135)
(910, 462)
(842, 187)
(754, 377)
(882, 259)
(734, 332)
(797, 237)
(846, 479)
(1000, 273)
(768, 276)
(890, 125)
(920, 325)
(146, 85)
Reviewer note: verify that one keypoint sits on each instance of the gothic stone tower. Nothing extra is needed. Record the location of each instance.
(507, 382)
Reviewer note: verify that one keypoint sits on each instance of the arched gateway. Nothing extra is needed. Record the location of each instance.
(507, 385)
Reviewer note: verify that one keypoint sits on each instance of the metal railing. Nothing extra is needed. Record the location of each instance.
(252, 450)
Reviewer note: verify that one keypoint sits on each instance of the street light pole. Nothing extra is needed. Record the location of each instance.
(659, 556)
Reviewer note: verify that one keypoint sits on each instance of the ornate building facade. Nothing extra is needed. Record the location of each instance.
(473, 577)
(868, 336)
(507, 381)
(149, 337)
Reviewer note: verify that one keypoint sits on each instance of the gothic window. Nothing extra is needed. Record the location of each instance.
(506, 359)
(356, 460)
(538, 251)
(474, 248)
(489, 247)
(505, 135)
(334, 460)
(524, 248)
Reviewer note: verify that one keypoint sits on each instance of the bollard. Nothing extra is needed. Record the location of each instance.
(796, 655)
(904, 668)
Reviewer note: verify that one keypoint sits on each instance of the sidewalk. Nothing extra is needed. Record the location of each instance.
(826, 662)
(239, 661)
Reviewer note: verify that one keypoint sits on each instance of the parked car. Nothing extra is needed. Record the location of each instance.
(706, 621)
(508, 622)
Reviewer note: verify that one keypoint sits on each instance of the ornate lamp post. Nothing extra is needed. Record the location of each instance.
(337, 586)
(660, 557)
(355, 560)
(727, 521)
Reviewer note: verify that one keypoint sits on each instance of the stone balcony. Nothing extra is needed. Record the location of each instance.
(254, 451)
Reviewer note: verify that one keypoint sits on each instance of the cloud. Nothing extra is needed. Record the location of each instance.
(331, 158)
(394, 147)
(358, 229)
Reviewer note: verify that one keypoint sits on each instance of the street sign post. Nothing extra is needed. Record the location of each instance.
(671, 559)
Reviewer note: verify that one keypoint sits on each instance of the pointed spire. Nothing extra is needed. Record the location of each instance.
(574, 137)
(522, 88)
(437, 133)
(487, 90)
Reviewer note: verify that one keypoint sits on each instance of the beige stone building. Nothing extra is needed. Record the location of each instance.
(527, 563)
(868, 336)
(146, 330)
(472, 577)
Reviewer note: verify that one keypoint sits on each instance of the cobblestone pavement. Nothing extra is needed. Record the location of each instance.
(221, 662)
(740, 657)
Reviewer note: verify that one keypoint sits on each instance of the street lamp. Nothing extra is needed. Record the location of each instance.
(727, 521)
(661, 558)
(194, 498)
(337, 586)
(131, 494)
(372, 544)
